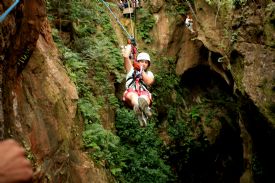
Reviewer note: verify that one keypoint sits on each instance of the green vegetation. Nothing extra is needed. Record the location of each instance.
(92, 58)
(93, 61)
(146, 22)
(256, 166)
(237, 69)
(227, 3)
(143, 150)
(177, 7)
(165, 81)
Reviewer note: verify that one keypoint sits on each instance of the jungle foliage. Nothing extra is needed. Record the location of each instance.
(92, 59)
(91, 55)
(146, 22)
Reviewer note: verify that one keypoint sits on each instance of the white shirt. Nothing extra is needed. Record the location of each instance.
(188, 21)
(130, 75)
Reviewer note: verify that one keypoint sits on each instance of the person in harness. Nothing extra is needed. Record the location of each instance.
(189, 23)
(138, 79)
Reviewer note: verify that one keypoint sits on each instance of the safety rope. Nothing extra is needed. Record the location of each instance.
(123, 28)
(131, 23)
(4, 15)
(135, 18)
(193, 12)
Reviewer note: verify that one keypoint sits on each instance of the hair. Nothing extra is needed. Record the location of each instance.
(190, 15)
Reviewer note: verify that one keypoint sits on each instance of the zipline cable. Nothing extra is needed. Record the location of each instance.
(123, 28)
(190, 6)
(4, 15)
(130, 38)
(135, 18)
(131, 23)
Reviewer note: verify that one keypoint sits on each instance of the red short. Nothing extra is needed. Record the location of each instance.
(139, 93)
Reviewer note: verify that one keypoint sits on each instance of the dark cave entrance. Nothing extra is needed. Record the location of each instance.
(195, 159)
(223, 161)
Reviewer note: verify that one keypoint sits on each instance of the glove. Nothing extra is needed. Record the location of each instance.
(136, 66)
(126, 50)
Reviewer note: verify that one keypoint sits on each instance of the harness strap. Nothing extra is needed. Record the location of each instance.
(137, 82)
(137, 86)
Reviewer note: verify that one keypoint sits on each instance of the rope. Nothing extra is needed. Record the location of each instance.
(119, 23)
(132, 29)
(135, 18)
(190, 6)
(131, 38)
(4, 15)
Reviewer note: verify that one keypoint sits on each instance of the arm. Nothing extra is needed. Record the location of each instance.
(126, 51)
(148, 79)
(127, 64)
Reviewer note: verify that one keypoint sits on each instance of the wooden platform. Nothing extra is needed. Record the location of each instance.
(127, 11)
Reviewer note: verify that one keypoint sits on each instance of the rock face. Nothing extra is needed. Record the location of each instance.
(236, 43)
(243, 41)
(40, 101)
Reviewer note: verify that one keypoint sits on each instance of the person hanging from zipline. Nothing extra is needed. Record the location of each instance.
(138, 79)
(189, 23)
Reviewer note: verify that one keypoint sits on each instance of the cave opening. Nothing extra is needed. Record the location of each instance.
(223, 161)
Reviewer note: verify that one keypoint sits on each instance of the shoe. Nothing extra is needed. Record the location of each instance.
(142, 120)
(143, 105)
(141, 117)
(137, 110)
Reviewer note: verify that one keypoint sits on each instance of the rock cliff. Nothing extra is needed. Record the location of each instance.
(236, 44)
(39, 100)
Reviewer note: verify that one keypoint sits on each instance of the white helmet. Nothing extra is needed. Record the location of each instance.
(143, 56)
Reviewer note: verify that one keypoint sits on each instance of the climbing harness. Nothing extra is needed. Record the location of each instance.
(139, 88)
(4, 15)
(139, 84)
(119, 23)
(136, 77)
